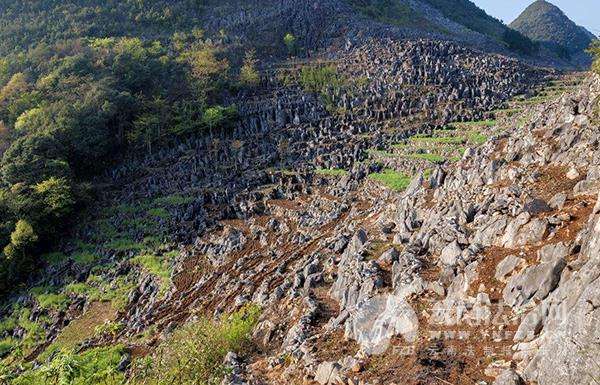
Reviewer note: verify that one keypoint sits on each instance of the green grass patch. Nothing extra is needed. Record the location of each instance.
(157, 266)
(194, 353)
(159, 212)
(52, 301)
(6, 346)
(34, 331)
(438, 139)
(381, 153)
(477, 138)
(54, 259)
(479, 123)
(82, 288)
(433, 158)
(336, 172)
(8, 324)
(84, 258)
(507, 111)
(117, 292)
(124, 244)
(93, 366)
(394, 180)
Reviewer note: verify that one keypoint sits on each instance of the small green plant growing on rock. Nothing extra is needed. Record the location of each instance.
(331, 172)
(290, 42)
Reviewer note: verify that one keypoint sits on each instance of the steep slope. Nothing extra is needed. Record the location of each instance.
(351, 197)
(546, 23)
(466, 13)
(220, 219)
(261, 23)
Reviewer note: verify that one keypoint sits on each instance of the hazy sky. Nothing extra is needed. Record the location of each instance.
(582, 12)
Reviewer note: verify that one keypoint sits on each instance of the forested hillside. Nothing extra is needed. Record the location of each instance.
(70, 102)
(27, 24)
(546, 24)
(466, 13)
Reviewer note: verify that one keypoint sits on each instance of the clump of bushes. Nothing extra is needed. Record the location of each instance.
(194, 353)
(594, 50)
(318, 79)
(94, 366)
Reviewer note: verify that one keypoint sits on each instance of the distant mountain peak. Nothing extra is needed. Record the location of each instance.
(545, 22)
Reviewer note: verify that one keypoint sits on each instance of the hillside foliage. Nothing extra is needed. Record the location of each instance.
(50, 21)
(594, 50)
(77, 87)
(468, 14)
(543, 22)
(390, 12)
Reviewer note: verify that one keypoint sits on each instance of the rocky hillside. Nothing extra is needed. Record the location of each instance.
(546, 23)
(388, 205)
(258, 23)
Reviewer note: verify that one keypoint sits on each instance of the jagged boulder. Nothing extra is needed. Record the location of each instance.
(380, 318)
(536, 282)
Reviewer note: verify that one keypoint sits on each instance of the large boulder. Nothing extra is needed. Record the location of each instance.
(508, 377)
(536, 282)
(328, 373)
(379, 319)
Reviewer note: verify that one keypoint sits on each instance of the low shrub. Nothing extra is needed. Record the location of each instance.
(194, 353)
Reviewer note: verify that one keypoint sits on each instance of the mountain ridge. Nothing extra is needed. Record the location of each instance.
(548, 24)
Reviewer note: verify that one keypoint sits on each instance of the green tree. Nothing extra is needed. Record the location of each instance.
(290, 42)
(206, 67)
(249, 75)
(56, 199)
(34, 158)
(594, 50)
(17, 259)
(218, 116)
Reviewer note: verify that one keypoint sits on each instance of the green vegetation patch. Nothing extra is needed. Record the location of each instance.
(390, 12)
(394, 180)
(381, 153)
(317, 79)
(334, 172)
(468, 14)
(6, 346)
(80, 329)
(124, 244)
(477, 138)
(433, 158)
(160, 267)
(94, 366)
(438, 139)
(479, 123)
(48, 299)
(194, 353)
(84, 258)
(159, 213)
